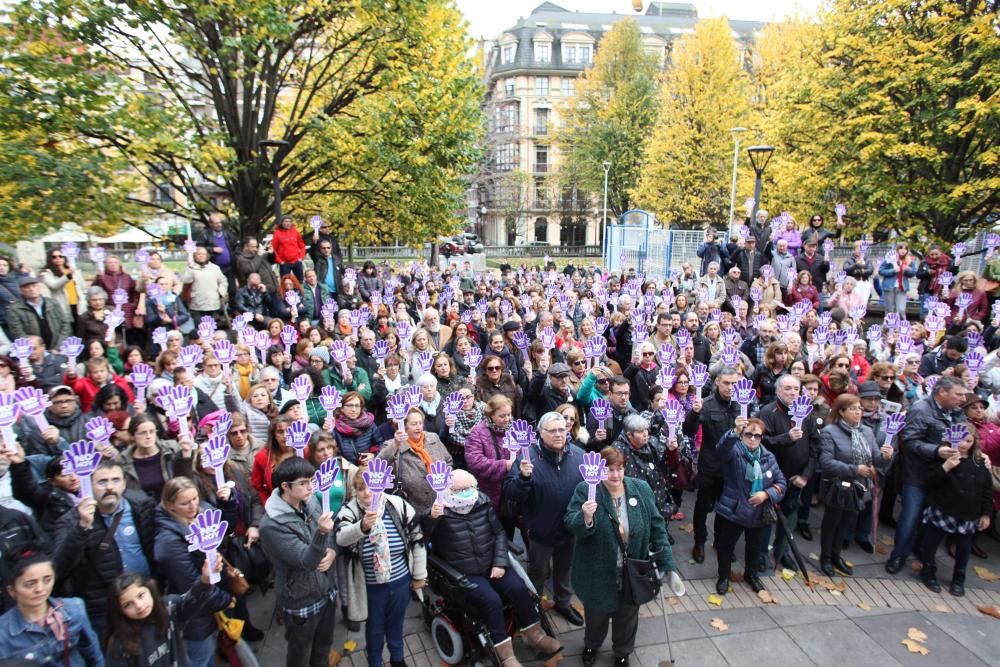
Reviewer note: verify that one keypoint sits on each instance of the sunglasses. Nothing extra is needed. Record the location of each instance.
(884, 377)
(492, 368)
(753, 436)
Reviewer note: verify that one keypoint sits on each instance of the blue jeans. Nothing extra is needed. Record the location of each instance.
(487, 596)
(912, 498)
(895, 302)
(386, 611)
(201, 653)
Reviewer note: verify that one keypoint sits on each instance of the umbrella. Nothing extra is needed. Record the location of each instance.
(799, 560)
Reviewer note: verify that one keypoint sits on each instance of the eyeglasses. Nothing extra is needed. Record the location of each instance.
(579, 362)
(649, 354)
(602, 381)
(883, 377)
(352, 405)
(554, 430)
(237, 431)
(753, 436)
(493, 368)
(620, 394)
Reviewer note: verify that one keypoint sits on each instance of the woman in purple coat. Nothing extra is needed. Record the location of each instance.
(487, 458)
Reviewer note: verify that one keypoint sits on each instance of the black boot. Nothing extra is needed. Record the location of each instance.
(957, 587)
(928, 575)
(826, 567)
(722, 585)
(841, 567)
(755, 583)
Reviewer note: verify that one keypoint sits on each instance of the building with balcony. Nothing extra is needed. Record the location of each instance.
(530, 72)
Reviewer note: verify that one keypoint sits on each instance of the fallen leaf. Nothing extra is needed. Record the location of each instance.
(887, 540)
(719, 625)
(915, 647)
(766, 597)
(673, 602)
(787, 574)
(942, 608)
(334, 658)
(882, 550)
(350, 645)
(715, 599)
(990, 611)
(691, 561)
(836, 593)
(736, 576)
(986, 574)
(687, 527)
(813, 556)
(865, 606)
(840, 586)
(547, 604)
(916, 635)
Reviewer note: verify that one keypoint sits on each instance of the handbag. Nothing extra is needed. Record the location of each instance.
(639, 580)
(843, 494)
(236, 583)
(769, 515)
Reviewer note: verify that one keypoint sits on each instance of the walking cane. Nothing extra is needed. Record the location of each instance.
(677, 587)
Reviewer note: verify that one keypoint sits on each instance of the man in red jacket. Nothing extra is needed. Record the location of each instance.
(289, 248)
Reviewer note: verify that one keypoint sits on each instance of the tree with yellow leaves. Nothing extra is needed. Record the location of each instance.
(688, 158)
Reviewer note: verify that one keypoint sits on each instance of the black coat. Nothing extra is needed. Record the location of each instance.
(89, 569)
(964, 493)
(795, 457)
(472, 543)
(48, 502)
(614, 428)
(717, 417)
(541, 398)
(921, 438)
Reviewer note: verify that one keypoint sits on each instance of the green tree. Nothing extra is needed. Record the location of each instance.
(911, 88)
(688, 161)
(610, 117)
(197, 86)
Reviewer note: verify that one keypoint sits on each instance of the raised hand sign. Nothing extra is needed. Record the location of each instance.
(289, 336)
(262, 341)
(667, 354)
(225, 353)
(10, 409)
(81, 459)
(380, 352)
(666, 377)
(21, 348)
(330, 399)
(548, 338)
(223, 424)
(70, 251)
(99, 430)
(396, 408)
(324, 479)
(403, 330)
(524, 435)
(600, 408)
(33, 403)
(699, 376)
(453, 403)
(214, 454)
(673, 415)
(316, 222)
(521, 341)
(894, 424)
(71, 348)
(207, 533)
(141, 377)
(340, 353)
(473, 358)
(378, 478)
(97, 256)
(439, 479)
(800, 408)
(743, 393)
(298, 437)
(593, 470)
(302, 388)
(190, 356)
(425, 360)
(178, 402)
(113, 320)
(160, 337)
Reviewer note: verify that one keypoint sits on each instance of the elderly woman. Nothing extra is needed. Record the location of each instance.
(466, 533)
(411, 453)
(979, 310)
(648, 459)
(850, 459)
(803, 290)
(623, 521)
(751, 479)
(387, 559)
(431, 404)
(90, 324)
(459, 426)
(849, 296)
(641, 374)
(485, 455)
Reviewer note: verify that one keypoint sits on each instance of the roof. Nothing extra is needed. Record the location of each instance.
(661, 16)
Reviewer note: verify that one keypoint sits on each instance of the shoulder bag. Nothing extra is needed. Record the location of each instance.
(639, 582)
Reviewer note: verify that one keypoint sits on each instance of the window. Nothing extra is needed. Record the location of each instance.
(507, 117)
(568, 87)
(506, 157)
(541, 159)
(542, 230)
(541, 86)
(164, 195)
(509, 85)
(542, 199)
(507, 53)
(541, 121)
(543, 52)
(572, 233)
(578, 54)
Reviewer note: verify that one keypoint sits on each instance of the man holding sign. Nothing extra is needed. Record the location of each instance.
(296, 536)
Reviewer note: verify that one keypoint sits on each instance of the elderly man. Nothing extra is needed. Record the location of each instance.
(711, 287)
(543, 484)
(36, 315)
(209, 291)
(734, 284)
(439, 333)
(467, 534)
(602, 436)
(251, 260)
(66, 425)
(253, 298)
(922, 449)
(45, 367)
(783, 264)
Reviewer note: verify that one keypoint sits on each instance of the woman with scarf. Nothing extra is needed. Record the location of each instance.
(936, 262)
(245, 370)
(465, 532)
(978, 309)
(849, 296)
(751, 479)
(387, 560)
(411, 453)
(43, 630)
(354, 429)
(487, 458)
(458, 426)
(494, 379)
(446, 373)
(895, 272)
(641, 374)
(851, 460)
(860, 267)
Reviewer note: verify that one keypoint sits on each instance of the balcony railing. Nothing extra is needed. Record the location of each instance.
(541, 167)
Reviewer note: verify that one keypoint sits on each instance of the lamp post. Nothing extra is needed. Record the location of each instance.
(604, 220)
(274, 163)
(759, 157)
(737, 131)
(482, 223)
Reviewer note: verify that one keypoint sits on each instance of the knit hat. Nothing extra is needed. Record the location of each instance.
(321, 352)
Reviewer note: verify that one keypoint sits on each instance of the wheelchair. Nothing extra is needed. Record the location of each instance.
(459, 633)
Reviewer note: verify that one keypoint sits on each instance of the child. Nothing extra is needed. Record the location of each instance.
(959, 502)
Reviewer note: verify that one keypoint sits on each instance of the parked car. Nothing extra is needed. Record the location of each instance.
(472, 244)
(451, 247)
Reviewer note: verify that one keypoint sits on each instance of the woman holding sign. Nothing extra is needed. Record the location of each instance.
(410, 454)
(617, 519)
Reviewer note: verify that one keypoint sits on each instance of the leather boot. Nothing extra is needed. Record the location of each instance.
(826, 567)
(541, 642)
(698, 552)
(957, 587)
(505, 651)
(928, 575)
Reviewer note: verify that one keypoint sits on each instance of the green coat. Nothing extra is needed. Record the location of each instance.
(595, 559)
(21, 321)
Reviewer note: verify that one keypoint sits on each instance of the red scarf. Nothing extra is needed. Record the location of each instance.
(937, 266)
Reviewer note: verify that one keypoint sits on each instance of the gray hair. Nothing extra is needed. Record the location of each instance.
(727, 370)
(548, 418)
(96, 290)
(427, 380)
(269, 372)
(635, 424)
(787, 377)
(946, 383)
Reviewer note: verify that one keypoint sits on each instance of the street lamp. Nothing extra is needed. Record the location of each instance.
(275, 162)
(759, 157)
(604, 220)
(737, 131)
(482, 224)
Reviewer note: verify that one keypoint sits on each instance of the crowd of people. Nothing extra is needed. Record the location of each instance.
(756, 388)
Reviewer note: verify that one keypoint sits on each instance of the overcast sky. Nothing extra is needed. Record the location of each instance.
(488, 18)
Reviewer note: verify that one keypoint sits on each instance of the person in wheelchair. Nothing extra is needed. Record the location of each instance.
(467, 534)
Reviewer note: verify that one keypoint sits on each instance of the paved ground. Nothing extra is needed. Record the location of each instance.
(859, 620)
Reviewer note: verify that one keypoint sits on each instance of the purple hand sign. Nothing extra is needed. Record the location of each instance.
(302, 388)
(81, 459)
(316, 222)
(699, 376)
(874, 333)
(207, 533)
(683, 339)
(339, 351)
(190, 246)
(71, 348)
(289, 336)
(667, 354)
(601, 325)
(160, 336)
(298, 437)
(100, 429)
(403, 330)
(593, 470)
(673, 415)
(10, 409)
(601, 410)
(894, 424)
(119, 297)
(756, 294)
(425, 360)
(800, 408)
(178, 403)
(33, 402)
(325, 478)
(225, 353)
(190, 356)
(141, 377)
(548, 338)
(396, 408)
(21, 349)
(330, 399)
(666, 377)
(521, 341)
(730, 357)
(214, 454)
(453, 403)
(522, 433)
(956, 434)
(473, 358)
(439, 479)
(71, 251)
(743, 393)
(378, 478)
(142, 257)
(223, 424)
(381, 351)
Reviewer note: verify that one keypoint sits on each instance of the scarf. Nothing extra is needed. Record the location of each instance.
(352, 428)
(465, 421)
(55, 622)
(432, 407)
(381, 556)
(418, 449)
(937, 267)
(859, 450)
(243, 372)
(462, 501)
(753, 474)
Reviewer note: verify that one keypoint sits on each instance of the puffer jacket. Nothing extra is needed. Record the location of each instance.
(486, 458)
(182, 568)
(472, 543)
(836, 454)
(734, 505)
(921, 437)
(288, 245)
(367, 285)
(90, 570)
(543, 496)
(295, 546)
